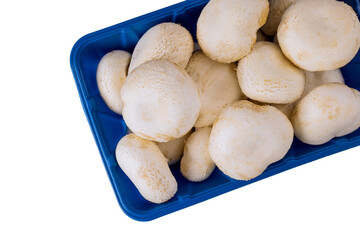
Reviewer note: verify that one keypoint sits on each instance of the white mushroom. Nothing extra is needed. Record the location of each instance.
(110, 77)
(246, 138)
(277, 9)
(196, 164)
(142, 161)
(315, 79)
(217, 84)
(286, 109)
(173, 150)
(319, 35)
(226, 29)
(161, 101)
(167, 41)
(267, 76)
(328, 111)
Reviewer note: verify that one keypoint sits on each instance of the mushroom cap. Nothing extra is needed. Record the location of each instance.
(110, 77)
(319, 35)
(267, 76)
(217, 84)
(276, 10)
(226, 29)
(328, 111)
(246, 138)
(167, 41)
(161, 101)
(173, 150)
(196, 164)
(142, 161)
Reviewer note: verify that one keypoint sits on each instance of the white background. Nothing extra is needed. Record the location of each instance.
(53, 184)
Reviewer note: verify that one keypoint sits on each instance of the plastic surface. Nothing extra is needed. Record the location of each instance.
(108, 127)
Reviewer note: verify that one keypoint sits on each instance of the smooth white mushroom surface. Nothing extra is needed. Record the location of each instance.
(267, 76)
(246, 138)
(110, 77)
(145, 165)
(167, 41)
(276, 10)
(161, 101)
(328, 111)
(217, 84)
(196, 164)
(319, 35)
(173, 150)
(226, 29)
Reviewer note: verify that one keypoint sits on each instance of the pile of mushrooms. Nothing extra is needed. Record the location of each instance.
(263, 73)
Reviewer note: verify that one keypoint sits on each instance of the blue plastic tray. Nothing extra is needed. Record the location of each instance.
(108, 127)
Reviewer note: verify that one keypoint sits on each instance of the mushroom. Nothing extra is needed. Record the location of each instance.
(286, 109)
(173, 150)
(226, 29)
(110, 77)
(276, 10)
(246, 138)
(167, 41)
(161, 101)
(267, 76)
(142, 161)
(328, 111)
(217, 84)
(196, 164)
(319, 35)
(315, 79)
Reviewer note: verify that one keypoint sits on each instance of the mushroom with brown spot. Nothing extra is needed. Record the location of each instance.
(196, 164)
(217, 84)
(246, 138)
(110, 77)
(226, 29)
(328, 111)
(161, 101)
(319, 35)
(145, 165)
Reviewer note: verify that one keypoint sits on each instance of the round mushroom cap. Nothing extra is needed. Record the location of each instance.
(161, 101)
(246, 138)
(217, 84)
(319, 35)
(142, 161)
(330, 110)
(276, 10)
(173, 150)
(110, 77)
(167, 41)
(226, 29)
(196, 164)
(267, 76)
